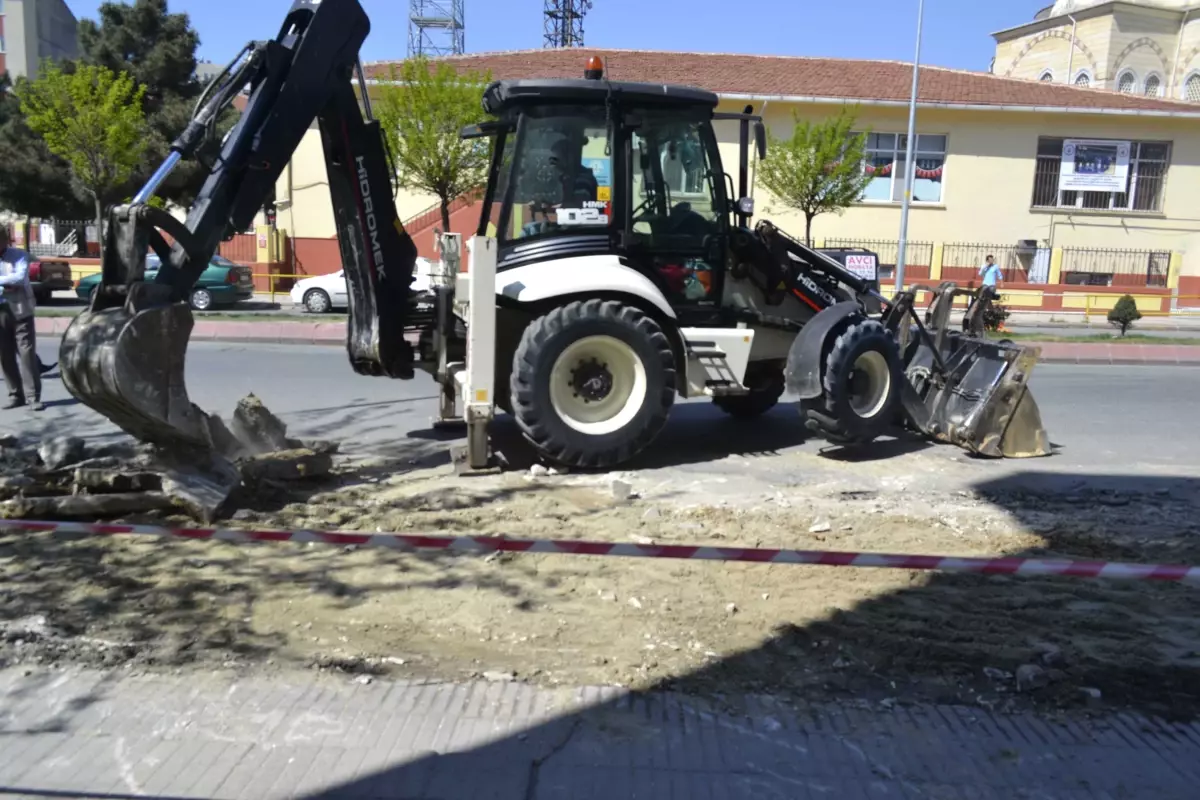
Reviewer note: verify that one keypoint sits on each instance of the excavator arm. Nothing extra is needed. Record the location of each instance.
(124, 356)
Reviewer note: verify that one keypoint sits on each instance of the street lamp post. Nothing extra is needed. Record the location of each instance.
(910, 168)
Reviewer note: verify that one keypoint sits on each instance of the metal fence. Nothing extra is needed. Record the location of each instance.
(1115, 267)
(1020, 264)
(917, 254)
(242, 248)
(62, 238)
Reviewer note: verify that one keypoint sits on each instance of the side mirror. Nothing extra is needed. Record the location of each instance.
(745, 206)
(760, 139)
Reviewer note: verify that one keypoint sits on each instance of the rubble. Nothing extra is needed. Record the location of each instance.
(62, 478)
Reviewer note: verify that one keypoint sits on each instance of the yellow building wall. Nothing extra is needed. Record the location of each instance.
(302, 203)
(988, 185)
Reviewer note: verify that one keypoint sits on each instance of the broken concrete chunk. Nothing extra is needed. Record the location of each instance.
(204, 495)
(62, 451)
(256, 428)
(289, 465)
(11, 487)
(110, 481)
(83, 506)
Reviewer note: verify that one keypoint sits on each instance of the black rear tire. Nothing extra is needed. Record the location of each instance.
(766, 386)
(862, 383)
(554, 420)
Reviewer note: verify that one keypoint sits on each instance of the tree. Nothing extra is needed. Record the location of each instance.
(158, 50)
(93, 119)
(1124, 314)
(819, 169)
(422, 109)
(33, 181)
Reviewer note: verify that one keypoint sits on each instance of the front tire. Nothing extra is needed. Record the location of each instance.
(201, 299)
(862, 383)
(317, 301)
(592, 383)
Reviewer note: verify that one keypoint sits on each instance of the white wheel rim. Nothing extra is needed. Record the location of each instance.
(316, 302)
(584, 365)
(201, 300)
(872, 369)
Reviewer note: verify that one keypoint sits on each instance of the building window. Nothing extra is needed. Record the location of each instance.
(1153, 86)
(1148, 163)
(1126, 82)
(1191, 89)
(885, 164)
(1047, 77)
(1083, 79)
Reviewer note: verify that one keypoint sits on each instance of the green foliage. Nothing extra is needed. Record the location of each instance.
(33, 181)
(422, 111)
(92, 118)
(158, 49)
(1124, 314)
(819, 169)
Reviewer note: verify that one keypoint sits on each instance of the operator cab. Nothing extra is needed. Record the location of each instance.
(591, 167)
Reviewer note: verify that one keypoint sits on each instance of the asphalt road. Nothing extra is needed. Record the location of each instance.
(1108, 418)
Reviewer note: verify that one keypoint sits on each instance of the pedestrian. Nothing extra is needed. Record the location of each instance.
(991, 276)
(17, 339)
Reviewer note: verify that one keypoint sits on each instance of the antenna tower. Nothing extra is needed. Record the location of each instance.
(436, 28)
(563, 24)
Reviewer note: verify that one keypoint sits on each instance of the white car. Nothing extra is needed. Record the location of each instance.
(324, 293)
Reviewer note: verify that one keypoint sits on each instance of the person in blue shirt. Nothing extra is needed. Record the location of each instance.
(17, 328)
(990, 276)
(991, 273)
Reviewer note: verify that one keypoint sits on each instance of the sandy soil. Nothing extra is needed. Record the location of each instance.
(888, 635)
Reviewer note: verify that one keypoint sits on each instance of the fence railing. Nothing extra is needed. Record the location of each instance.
(57, 238)
(1115, 267)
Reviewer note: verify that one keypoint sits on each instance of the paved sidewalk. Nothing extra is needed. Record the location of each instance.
(77, 734)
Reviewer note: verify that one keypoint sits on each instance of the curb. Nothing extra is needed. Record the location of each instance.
(334, 333)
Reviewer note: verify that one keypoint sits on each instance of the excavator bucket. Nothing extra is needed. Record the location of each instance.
(975, 393)
(124, 356)
(128, 365)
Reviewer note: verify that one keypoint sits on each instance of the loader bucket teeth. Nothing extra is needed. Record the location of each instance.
(129, 367)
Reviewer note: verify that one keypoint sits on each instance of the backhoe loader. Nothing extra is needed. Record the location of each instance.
(614, 270)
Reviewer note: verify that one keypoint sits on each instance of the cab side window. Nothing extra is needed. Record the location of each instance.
(675, 205)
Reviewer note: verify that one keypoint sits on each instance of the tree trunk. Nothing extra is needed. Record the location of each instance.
(445, 215)
(99, 224)
(808, 218)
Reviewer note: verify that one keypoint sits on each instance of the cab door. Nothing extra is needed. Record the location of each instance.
(677, 225)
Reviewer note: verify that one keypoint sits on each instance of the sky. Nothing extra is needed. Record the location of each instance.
(956, 32)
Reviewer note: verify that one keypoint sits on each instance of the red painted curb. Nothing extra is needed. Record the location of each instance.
(335, 333)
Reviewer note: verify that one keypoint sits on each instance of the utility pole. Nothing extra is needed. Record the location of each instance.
(910, 169)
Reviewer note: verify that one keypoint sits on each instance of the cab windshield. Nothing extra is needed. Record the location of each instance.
(555, 175)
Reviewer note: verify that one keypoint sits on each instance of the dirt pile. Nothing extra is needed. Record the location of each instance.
(64, 478)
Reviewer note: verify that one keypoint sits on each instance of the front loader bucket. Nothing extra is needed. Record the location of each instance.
(129, 366)
(981, 401)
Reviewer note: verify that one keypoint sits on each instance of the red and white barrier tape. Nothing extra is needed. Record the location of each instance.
(490, 544)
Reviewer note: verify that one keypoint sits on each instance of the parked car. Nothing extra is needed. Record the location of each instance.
(323, 293)
(222, 284)
(47, 277)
